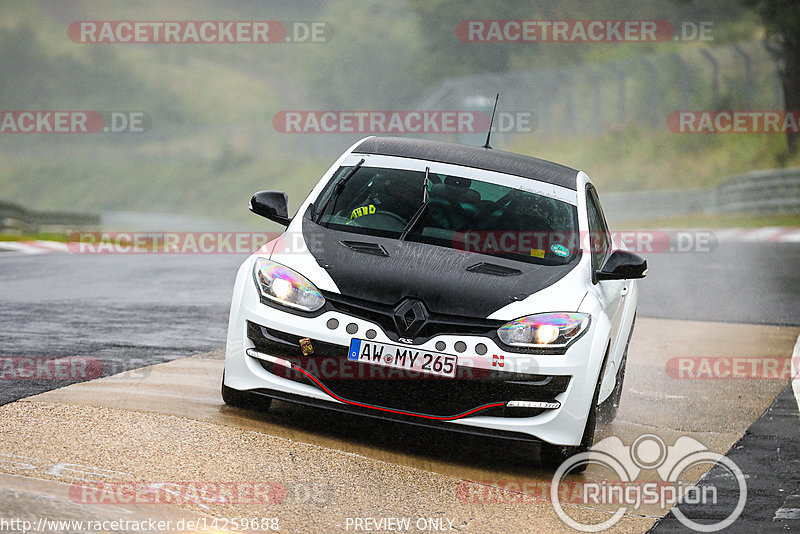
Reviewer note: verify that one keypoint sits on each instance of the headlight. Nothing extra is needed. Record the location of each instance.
(285, 286)
(546, 330)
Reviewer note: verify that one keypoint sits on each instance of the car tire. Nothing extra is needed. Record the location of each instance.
(607, 410)
(244, 399)
(555, 455)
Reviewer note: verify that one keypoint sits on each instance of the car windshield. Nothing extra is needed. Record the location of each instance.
(456, 212)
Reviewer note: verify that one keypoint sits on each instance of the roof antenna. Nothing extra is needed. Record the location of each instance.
(491, 121)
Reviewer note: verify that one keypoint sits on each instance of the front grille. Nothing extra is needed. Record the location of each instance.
(436, 324)
(287, 346)
(394, 389)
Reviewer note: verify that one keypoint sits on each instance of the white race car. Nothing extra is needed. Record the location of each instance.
(443, 285)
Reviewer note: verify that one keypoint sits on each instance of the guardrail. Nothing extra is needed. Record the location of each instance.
(16, 219)
(772, 191)
(768, 192)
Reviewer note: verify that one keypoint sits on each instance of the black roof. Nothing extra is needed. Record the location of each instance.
(471, 156)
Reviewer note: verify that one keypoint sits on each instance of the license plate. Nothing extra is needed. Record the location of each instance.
(407, 358)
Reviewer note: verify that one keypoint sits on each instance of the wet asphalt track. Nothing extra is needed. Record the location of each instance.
(131, 311)
(126, 310)
(134, 310)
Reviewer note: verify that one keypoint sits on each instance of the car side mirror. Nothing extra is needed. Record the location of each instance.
(623, 265)
(274, 205)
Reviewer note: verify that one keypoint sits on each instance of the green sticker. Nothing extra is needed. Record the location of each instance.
(560, 250)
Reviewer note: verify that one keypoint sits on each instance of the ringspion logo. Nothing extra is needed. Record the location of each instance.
(631, 481)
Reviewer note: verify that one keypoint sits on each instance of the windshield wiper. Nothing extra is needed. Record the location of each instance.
(421, 209)
(338, 189)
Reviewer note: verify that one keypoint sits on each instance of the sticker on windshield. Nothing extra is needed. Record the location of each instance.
(537, 253)
(363, 210)
(560, 250)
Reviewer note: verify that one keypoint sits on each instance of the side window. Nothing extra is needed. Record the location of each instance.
(599, 240)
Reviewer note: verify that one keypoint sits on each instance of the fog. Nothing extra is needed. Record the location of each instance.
(186, 120)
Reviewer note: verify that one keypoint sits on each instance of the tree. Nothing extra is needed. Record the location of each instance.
(781, 20)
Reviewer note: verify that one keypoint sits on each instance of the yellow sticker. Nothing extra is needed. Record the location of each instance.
(306, 346)
(537, 253)
(363, 210)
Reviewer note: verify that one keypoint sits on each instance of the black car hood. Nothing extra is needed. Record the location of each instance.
(436, 275)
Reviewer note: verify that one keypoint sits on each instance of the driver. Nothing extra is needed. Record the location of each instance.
(393, 195)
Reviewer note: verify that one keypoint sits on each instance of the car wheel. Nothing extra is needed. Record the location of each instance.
(554, 455)
(243, 399)
(607, 411)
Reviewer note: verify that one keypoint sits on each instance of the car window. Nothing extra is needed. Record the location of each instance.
(599, 240)
(455, 212)
(376, 200)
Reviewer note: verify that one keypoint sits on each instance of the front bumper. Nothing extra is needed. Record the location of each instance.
(471, 392)
(475, 400)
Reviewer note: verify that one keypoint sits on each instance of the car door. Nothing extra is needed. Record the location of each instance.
(609, 292)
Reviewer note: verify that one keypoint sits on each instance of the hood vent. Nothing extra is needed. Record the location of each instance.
(367, 248)
(494, 269)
